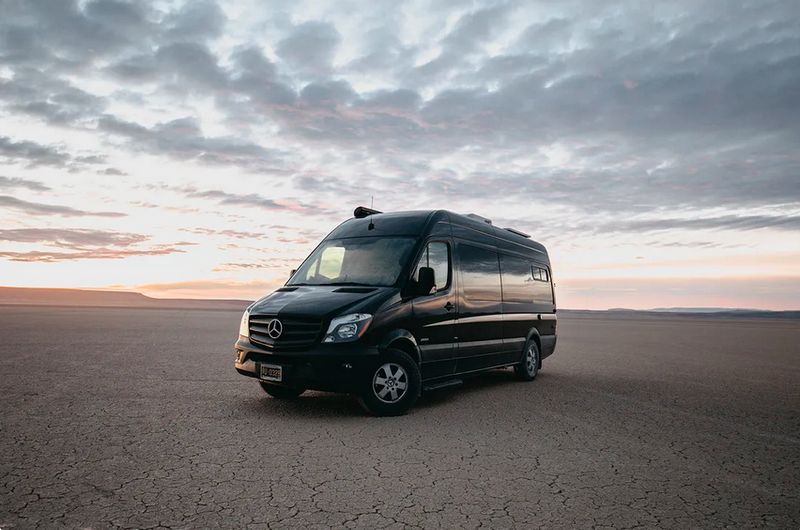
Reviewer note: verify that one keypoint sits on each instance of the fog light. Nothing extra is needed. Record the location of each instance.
(347, 366)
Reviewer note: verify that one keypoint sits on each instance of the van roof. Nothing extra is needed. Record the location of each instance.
(419, 222)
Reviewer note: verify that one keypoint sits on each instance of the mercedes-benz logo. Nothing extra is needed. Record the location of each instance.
(274, 328)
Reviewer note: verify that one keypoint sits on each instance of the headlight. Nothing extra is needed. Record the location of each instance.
(347, 328)
(244, 325)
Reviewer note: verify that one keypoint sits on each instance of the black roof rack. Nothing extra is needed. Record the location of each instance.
(362, 211)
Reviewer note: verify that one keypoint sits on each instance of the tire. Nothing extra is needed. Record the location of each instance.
(529, 367)
(281, 392)
(392, 384)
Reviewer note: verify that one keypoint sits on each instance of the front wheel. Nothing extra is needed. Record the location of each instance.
(529, 367)
(392, 386)
(281, 392)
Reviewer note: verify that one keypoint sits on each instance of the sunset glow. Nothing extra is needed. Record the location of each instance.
(202, 149)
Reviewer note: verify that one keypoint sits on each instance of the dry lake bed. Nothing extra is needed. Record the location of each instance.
(135, 418)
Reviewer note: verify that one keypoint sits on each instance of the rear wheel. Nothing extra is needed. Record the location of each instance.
(281, 392)
(529, 367)
(392, 385)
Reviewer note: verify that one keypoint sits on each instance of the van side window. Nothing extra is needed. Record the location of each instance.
(542, 290)
(480, 273)
(518, 278)
(436, 256)
(539, 274)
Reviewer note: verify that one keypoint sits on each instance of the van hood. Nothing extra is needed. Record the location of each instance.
(322, 301)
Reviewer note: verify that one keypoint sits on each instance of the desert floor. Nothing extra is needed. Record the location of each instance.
(135, 418)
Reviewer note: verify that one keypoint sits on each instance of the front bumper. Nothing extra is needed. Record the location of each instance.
(328, 367)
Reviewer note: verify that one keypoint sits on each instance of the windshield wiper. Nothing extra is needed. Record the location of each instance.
(349, 283)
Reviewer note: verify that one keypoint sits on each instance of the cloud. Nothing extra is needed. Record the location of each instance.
(282, 265)
(37, 208)
(73, 238)
(99, 28)
(622, 94)
(41, 256)
(15, 182)
(252, 199)
(196, 20)
(310, 47)
(235, 234)
(33, 153)
(183, 139)
(723, 222)
(223, 288)
(73, 244)
(592, 116)
(112, 171)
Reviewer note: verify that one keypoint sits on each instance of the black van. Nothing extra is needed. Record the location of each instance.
(392, 304)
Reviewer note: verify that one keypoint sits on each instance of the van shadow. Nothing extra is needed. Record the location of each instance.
(318, 405)
(478, 383)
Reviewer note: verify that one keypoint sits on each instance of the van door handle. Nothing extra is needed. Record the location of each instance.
(449, 306)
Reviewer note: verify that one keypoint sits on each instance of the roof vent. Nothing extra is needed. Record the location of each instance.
(479, 218)
(523, 234)
(363, 211)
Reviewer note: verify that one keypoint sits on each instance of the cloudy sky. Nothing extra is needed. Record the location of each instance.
(202, 148)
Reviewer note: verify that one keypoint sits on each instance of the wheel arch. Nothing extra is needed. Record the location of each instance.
(402, 340)
(533, 335)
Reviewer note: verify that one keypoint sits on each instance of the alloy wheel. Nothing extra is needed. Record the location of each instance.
(531, 360)
(390, 383)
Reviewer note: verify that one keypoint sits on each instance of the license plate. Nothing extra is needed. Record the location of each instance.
(271, 372)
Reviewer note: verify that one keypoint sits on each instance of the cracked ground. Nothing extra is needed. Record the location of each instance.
(133, 418)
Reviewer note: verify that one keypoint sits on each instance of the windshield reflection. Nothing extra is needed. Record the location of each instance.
(368, 261)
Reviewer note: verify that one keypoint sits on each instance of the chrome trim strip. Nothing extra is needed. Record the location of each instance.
(442, 323)
(480, 318)
(496, 317)
(511, 317)
(436, 347)
(471, 343)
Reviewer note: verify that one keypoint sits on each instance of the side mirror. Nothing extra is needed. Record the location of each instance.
(426, 281)
(291, 273)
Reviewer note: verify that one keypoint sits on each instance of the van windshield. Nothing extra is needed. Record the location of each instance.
(373, 261)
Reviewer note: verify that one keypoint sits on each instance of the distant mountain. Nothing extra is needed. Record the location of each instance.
(707, 310)
(88, 298)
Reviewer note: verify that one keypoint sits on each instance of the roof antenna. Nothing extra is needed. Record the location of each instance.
(371, 225)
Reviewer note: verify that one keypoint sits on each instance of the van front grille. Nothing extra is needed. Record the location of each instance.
(296, 333)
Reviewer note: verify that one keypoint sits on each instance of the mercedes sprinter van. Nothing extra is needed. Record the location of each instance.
(393, 304)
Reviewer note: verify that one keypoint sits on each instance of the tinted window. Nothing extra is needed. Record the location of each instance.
(517, 279)
(542, 290)
(544, 276)
(480, 273)
(357, 260)
(436, 256)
